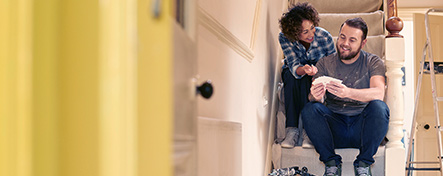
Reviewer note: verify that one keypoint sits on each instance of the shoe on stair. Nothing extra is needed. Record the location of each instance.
(291, 137)
(332, 169)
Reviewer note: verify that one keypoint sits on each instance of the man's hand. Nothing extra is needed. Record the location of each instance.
(318, 91)
(337, 89)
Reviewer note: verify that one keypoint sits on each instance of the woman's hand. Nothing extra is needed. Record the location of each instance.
(310, 70)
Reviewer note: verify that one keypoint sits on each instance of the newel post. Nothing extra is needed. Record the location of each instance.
(395, 161)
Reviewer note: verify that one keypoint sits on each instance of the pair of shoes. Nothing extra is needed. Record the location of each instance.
(291, 137)
(306, 141)
(362, 169)
(332, 169)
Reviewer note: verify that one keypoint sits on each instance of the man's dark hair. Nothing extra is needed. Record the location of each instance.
(358, 23)
(291, 22)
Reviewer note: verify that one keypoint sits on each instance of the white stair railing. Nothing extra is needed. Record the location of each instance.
(395, 161)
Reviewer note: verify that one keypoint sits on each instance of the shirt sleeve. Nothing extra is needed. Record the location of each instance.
(321, 69)
(330, 47)
(291, 60)
(377, 67)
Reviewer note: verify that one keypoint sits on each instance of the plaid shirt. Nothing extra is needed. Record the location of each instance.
(296, 55)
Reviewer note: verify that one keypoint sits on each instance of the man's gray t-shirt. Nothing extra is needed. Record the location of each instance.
(356, 75)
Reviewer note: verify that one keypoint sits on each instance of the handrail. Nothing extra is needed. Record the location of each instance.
(392, 8)
(394, 24)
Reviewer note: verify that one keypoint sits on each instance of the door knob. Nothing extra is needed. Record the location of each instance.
(206, 89)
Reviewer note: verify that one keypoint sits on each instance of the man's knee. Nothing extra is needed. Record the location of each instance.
(378, 108)
(311, 106)
(377, 103)
(311, 110)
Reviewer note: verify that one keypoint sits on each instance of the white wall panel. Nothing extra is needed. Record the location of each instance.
(237, 16)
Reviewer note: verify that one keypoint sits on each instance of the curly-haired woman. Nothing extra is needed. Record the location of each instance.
(303, 44)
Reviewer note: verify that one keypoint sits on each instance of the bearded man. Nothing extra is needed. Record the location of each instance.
(349, 113)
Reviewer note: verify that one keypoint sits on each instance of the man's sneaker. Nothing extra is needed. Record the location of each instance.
(306, 141)
(332, 169)
(362, 169)
(291, 137)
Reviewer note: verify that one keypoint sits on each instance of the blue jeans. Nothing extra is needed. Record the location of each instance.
(328, 130)
(296, 95)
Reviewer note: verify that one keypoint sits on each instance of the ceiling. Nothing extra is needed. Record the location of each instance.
(420, 3)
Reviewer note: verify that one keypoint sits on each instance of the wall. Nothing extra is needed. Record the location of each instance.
(409, 87)
(237, 50)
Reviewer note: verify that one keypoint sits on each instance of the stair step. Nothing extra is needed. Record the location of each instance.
(344, 6)
(299, 156)
(332, 21)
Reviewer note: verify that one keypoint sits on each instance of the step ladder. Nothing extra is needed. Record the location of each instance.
(409, 163)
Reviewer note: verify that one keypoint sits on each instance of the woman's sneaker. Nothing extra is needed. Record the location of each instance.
(291, 137)
(332, 169)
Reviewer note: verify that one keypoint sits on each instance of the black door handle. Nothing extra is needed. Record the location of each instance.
(206, 89)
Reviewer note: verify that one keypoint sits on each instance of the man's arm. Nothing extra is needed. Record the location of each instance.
(375, 92)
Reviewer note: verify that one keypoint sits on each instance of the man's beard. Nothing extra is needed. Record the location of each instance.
(351, 54)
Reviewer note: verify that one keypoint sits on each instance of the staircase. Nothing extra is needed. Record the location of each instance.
(299, 156)
(390, 159)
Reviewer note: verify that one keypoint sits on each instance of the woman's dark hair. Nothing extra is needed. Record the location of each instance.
(291, 22)
(358, 23)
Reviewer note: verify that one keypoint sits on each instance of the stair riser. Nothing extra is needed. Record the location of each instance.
(299, 156)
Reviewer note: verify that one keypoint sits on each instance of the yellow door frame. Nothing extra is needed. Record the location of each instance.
(154, 88)
(15, 84)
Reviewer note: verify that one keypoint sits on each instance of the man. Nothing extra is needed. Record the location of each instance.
(350, 114)
(303, 44)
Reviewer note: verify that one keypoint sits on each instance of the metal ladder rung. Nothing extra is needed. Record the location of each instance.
(424, 169)
(424, 162)
(439, 98)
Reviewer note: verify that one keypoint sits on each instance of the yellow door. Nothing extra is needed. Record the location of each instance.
(154, 87)
(93, 88)
(167, 85)
(426, 135)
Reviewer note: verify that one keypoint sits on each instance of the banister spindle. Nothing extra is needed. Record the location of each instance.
(395, 51)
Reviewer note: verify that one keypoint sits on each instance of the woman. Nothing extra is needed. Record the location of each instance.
(303, 44)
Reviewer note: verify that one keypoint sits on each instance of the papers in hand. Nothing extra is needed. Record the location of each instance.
(326, 79)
